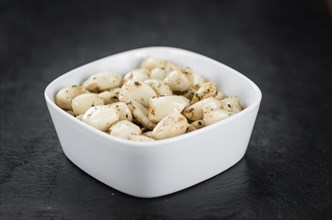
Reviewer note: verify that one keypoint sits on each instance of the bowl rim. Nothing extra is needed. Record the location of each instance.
(167, 141)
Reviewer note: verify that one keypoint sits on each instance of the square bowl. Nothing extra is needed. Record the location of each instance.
(152, 169)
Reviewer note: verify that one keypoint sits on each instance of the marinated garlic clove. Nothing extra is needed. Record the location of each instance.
(214, 116)
(195, 112)
(190, 128)
(64, 97)
(124, 110)
(179, 79)
(172, 66)
(199, 80)
(80, 104)
(159, 87)
(198, 124)
(207, 90)
(101, 116)
(110, 96)
(79, 117)
(153, 62)
(141, 114)
(124, 129)
(158, 73)
(161, 106)
(219, 95)
(103, 81)
(138, 75)
(143, 129)
(189, 94)
(137, 91)
(148, 134)
(171, 125)
(231, 103)
(140, 138)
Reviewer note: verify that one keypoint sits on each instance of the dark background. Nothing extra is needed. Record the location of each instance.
(283, 46)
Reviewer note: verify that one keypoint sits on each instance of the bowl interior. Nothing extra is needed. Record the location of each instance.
(228, 80)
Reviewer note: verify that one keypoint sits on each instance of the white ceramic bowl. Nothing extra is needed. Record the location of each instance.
(151, 169)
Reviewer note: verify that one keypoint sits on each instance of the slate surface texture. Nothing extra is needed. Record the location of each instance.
(283, 46)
